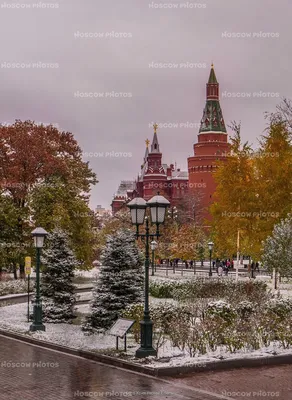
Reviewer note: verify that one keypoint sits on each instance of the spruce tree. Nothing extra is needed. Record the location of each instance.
(120, 281)
(278, 248)
(57, 287)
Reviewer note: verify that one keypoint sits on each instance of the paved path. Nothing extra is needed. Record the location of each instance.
(49, 375)
(267, 383)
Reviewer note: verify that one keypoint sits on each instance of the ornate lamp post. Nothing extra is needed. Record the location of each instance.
(39, 235)
(210, 245)
(138, 206)
(153, 246)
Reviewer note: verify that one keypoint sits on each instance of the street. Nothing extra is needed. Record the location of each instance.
(31, 373)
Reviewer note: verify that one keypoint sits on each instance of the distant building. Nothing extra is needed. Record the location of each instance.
(101, 211)
(154, 177)
(173, 183)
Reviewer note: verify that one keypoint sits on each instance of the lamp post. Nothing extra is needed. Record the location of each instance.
(39, 235)
(210, 245)
(153, 246)
(138, 206)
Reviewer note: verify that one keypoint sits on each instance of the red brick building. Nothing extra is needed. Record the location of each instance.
(172, 183)
(154, 177)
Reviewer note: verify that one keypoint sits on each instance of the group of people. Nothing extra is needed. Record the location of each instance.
(223, 266)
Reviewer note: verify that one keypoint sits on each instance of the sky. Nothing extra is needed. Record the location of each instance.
(106, 70)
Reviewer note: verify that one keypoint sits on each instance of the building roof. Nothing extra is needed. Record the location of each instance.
(125, 186)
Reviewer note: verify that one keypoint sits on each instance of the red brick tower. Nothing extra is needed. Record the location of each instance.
(212, 145)
(155, 178)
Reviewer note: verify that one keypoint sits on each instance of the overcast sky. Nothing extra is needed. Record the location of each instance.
(130, 38)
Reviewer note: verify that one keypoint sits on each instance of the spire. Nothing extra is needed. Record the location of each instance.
(212, 76)
(155, 144)
(147, 141)
(212, 120)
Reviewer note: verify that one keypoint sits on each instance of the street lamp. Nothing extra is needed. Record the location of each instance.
(39, 235)
(210, 245)
(138, 206)
(153, 246)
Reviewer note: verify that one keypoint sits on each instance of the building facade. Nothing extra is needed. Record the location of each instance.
(174, 184)
(154, 177)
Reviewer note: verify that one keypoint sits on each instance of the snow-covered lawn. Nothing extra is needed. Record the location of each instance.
(13, 318)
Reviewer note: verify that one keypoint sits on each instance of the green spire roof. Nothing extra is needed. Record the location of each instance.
(212, 120)
(212, 77)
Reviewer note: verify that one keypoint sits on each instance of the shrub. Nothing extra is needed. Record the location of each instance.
(14, 287)
(254, 291)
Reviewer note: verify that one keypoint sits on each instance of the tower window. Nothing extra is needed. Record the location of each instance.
(155, 146)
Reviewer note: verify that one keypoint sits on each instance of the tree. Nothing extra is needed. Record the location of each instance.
(278, 248)
(56, 206)
(235, 199)
(188, 242)
(36, 163)
(56, 283)
(120, 281)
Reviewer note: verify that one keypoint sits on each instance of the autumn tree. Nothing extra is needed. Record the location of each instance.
(32, 158)
(235, 198)
(188, 242)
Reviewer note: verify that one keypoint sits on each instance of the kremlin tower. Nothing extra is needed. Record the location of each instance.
(176, 185)
(212, 145)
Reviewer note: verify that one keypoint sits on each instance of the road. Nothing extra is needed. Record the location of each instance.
(272, 382)
(30, 372)
(40, 374)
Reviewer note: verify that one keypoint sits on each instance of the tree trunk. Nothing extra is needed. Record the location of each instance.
(14, 271)
(21, 271)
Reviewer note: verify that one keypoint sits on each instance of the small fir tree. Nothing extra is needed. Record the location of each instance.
(278, 248)
(56, 283)
(120, 281)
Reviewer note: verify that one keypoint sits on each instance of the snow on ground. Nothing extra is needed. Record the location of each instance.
(14, 318)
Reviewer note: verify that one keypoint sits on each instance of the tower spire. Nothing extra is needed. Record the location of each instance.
(155, 144)
(212, 120)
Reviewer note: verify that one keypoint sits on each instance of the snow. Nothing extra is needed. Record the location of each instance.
(13, 318)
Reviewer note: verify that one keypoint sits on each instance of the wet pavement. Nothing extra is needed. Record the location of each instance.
(29, 372)
(32, 373)
(274, 382)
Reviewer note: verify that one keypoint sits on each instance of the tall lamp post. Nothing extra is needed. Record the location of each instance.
(138, 206)
(210, 245)
(39, 235)
(153, 246)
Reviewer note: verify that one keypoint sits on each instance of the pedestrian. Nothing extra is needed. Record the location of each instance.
(191, 263)
(220, 270)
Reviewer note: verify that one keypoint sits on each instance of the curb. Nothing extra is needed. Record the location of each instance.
(158, 372)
